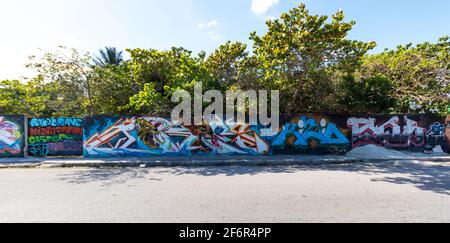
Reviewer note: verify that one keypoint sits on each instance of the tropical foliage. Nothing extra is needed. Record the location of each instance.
(109, 56)
(309, 58)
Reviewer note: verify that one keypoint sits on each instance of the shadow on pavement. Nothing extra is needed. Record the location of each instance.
(106, 176)
(433, 177)
(229, 170)
(425, 176)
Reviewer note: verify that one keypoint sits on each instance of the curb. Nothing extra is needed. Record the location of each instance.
(216, 161)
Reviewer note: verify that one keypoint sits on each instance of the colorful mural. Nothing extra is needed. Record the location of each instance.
(136, 136)
(389, 134)
(11, 136)
(55, 137)
(306, 134)
(147, 136)
(418, 133)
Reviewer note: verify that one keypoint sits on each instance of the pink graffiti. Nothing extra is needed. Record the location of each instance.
(389, 134)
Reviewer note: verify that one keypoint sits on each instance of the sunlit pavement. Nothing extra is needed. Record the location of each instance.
(31, 162)
(402, 191)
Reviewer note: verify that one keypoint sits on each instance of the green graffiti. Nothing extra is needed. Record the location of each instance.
(53, 139)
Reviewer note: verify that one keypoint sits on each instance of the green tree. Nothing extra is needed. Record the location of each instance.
(421, 74)
(69, 74)
(109, 56)
(304, 56)
(157, 74)
(225, 63)
(112, 87)
(32, 98)
(13, 98)
(371, 95)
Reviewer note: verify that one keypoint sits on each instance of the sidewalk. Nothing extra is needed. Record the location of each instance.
(211, 161)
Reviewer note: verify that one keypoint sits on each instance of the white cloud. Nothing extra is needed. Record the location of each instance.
(260, 7)
(211, 28)
(270, 17)
(208, 25)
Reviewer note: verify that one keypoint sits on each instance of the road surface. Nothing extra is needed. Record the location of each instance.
(388, 192)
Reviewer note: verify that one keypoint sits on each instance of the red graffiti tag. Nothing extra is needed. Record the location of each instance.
(47, 131)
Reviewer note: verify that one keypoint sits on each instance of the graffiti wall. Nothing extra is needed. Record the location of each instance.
(147, 136)
(135, 136)
(12, 136)
(334, 134)
(55, 137)
(310, 134)
(401, 132)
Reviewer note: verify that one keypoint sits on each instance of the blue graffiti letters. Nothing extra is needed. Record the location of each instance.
(307, 130)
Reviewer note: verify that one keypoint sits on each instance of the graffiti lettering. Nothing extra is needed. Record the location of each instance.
(108, 137)
(56, 122)
(143, 136)
(437, 130)
(55, 137)
(436, 137)
(309, 134)
(38, 150)
(46, 131)
(389, 134)
(150, 136)
(66, 146)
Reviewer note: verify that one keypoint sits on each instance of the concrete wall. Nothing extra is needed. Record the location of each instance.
(316, 134)
(135, 136)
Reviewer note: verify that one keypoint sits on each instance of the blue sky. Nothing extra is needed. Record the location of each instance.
(27, 25)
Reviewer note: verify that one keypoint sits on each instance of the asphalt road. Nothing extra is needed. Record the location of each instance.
(388, 192)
